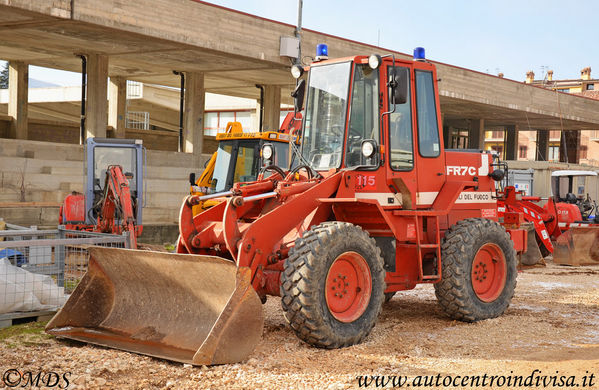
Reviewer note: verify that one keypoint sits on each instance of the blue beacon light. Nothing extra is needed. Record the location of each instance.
(419, 54)
(322, 51)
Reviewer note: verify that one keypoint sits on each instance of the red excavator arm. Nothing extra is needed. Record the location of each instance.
(117, 203)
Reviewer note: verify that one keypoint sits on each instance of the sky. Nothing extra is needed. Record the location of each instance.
(489, 36)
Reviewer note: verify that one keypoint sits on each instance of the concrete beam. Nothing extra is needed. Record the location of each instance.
(97, 99)
(195, 100)
(511, 143)
(117, 105)
(476, 134)
(18, 98)
(272, 107)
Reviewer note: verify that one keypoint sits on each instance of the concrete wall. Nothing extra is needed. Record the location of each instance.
(53, 132)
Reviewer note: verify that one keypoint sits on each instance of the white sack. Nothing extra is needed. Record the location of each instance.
(21, 290)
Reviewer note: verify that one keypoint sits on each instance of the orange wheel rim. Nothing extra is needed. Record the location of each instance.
(489, 272)
(348, 287)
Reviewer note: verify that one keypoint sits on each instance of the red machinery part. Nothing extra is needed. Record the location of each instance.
(72, 210)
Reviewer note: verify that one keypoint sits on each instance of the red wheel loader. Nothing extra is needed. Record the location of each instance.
(376, 206)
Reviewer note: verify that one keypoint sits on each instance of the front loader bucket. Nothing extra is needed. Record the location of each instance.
(187, 308)
(578, 246)
(533, 255)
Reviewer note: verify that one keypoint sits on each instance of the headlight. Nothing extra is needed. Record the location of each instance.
(374, 61)
(267, 152)
(367, 149)
(297, 71)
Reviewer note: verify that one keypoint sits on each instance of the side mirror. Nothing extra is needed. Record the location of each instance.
(298, 95)
(192, 179)
(399, 83)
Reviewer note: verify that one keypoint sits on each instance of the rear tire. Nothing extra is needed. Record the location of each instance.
(333, 285)
(479, 269)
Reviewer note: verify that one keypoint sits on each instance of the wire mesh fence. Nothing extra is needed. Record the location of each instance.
(40, 268)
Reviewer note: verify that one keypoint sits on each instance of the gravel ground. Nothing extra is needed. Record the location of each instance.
(551, 326)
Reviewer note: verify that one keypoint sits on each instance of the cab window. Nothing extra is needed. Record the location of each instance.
(401, 151)
(246, 167)
(364, 115)
(428, 130)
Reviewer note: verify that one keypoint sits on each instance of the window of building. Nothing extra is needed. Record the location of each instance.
(496, 147)
(566, 90)
(583, 152)
(590, 87)
(216, 121)
(553, 153)
(497, 134)
(522, 151)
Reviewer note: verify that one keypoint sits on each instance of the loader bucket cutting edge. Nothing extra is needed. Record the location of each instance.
(192, 309)
(578, 246)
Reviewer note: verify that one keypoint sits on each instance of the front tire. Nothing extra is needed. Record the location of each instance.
(333, 285)
(479, 269)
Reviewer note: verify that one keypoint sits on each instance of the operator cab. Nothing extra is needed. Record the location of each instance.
(240, 160)
(102, 153)
(571, 186)
(378, 114)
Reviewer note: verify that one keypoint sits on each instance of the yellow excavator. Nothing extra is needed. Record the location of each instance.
(239, 158)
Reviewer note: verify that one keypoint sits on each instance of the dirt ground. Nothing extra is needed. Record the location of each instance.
(552, 325)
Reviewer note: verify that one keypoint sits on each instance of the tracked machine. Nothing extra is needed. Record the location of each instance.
(376, 206)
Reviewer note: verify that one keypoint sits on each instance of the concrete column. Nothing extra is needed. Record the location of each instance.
(542, 152)
(272, 107)
(476, 134)
(446, 136)
(117, 105)
(18, 96)
(511, 142)
(569, 146)
(193, 129)
(97, 99)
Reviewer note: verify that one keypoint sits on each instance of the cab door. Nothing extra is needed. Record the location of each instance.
(429, 153)
(399, 136)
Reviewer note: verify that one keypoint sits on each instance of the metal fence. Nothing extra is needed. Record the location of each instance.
(137, 120)
(40, 268)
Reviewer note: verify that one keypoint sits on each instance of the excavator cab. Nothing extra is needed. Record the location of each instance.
(102, 153)
(81, 211)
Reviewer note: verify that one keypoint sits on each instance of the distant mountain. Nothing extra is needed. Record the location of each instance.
(33, 83)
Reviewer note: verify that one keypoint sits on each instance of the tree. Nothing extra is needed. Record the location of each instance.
(4, 76)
